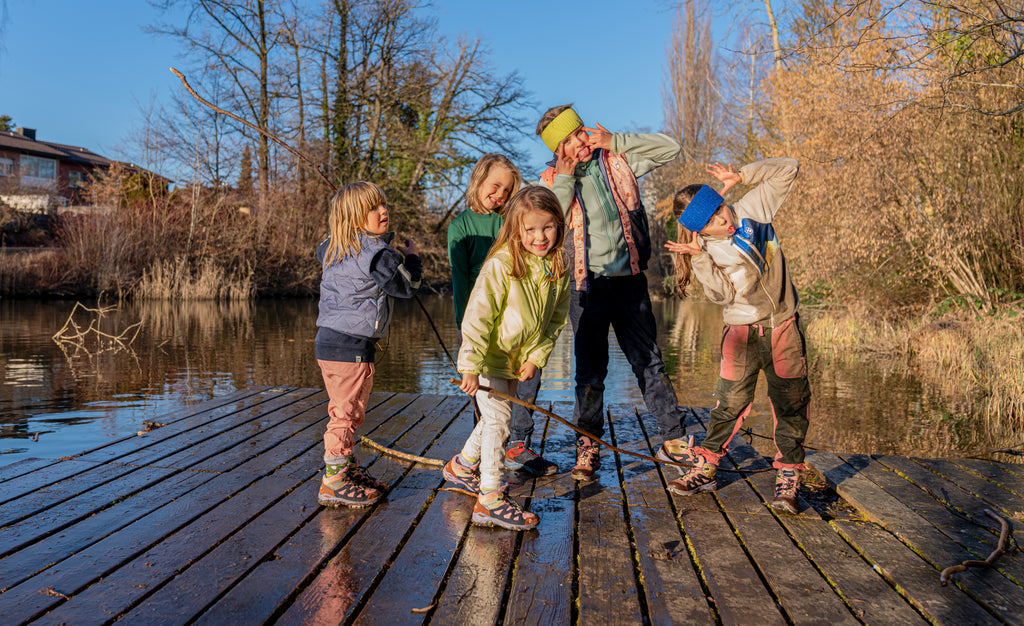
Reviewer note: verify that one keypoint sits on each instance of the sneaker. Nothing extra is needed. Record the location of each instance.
(466, 479)
(504, 512)
(700, 477)
(588, 459)
(787, 483)
(678, 451)
(352, 487)
(520, 456)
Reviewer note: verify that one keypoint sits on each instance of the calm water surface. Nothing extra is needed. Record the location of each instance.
(58, 399)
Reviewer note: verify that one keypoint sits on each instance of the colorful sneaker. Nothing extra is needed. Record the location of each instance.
(787, 483)
(700, 477)
(588, 459)
(465, 478)
(679, 451)
(351, 487)
(520, 456)
(503, 511)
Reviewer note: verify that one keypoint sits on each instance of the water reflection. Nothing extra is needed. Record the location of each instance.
(55, 404)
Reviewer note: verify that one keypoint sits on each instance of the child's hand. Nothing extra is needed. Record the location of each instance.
(408, 248)
(470, 384)
(566, 163)
(692, 247)
(599, 137)
(725, 174)
(526, 372)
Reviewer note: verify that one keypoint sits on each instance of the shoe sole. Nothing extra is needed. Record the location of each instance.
(486, 520)
(459, 485)
(784, 507)
(663, 456)
(337, 503)
(695, 490)
(580, 477)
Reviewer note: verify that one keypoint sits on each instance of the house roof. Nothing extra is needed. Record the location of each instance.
(13, 141)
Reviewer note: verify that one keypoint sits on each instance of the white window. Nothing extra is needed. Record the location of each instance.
(76, 180)
(6, 167)
(37, 172)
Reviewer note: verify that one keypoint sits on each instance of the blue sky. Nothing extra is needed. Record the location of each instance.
(81, 72)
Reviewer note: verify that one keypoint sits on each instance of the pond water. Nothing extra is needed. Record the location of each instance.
(58, 398)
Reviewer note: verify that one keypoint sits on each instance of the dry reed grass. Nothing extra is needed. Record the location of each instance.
(175, 279)
(972, 363)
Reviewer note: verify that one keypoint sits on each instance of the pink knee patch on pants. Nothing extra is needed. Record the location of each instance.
(788, 350)
(734, 353)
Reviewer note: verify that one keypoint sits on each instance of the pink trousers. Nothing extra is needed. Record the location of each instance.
(348, 386)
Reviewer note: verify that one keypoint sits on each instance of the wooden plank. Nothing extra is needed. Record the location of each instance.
(268, 588)
(20, 468)
(998, 473)
(671, 584)
(980, 540)
(49, 552)
(116, 573)
(999, 498)
(914, 577)
(541, 590)
(870, 501)
(343, 581)
(193, 589)
(870, 598)
(48, 474)
(118, 449)
(738, 593)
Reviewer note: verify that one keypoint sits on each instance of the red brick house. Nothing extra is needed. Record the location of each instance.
(40, 175)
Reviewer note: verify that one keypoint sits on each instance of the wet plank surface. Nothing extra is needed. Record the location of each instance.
(212, 519)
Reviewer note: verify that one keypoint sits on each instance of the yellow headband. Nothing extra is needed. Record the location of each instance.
(564, 124)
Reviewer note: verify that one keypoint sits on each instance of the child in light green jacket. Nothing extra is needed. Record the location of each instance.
(518, 306)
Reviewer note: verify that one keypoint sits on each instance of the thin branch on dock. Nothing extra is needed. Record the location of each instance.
(1004, 534)
(402, 455)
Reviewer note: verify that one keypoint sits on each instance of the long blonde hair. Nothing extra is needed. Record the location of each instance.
(531, 199)
(348, 211)
(479, 174)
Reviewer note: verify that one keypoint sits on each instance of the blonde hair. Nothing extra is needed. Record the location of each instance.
(683, 267)
(531, 199)
(479, 175)
(348, 211)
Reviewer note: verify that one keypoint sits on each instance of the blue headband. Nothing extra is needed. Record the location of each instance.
(699, 211)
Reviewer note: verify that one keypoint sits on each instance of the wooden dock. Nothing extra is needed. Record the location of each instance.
(212, 519)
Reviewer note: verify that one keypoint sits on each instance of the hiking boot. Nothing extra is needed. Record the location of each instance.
(787, 484)
(588, 459)
(700, 477)
(520, 456)
(502, 511)
(679, 451)
(351, 487)
(466, 478)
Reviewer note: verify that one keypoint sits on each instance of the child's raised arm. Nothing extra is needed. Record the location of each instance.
(398, 276)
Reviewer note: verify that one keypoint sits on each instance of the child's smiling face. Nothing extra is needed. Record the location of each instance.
(538, 232)
(577, 145)
(494, 191)
(377, 220)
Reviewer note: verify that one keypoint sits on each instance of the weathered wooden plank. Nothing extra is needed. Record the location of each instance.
(345, 579)
(870, 598)
(998, 473)
(542, 589)
(980, 539)
(997, 497)
(256, 402)
(70, 471)
(916, 578)
(542, 583)
(49, 552)
(672, 589)
(124, 567)
(870, 501)
(269, 586)
(196, 587)
(736, 588)
(20, 468)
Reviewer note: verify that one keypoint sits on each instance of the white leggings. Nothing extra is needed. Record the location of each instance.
(487, 441)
